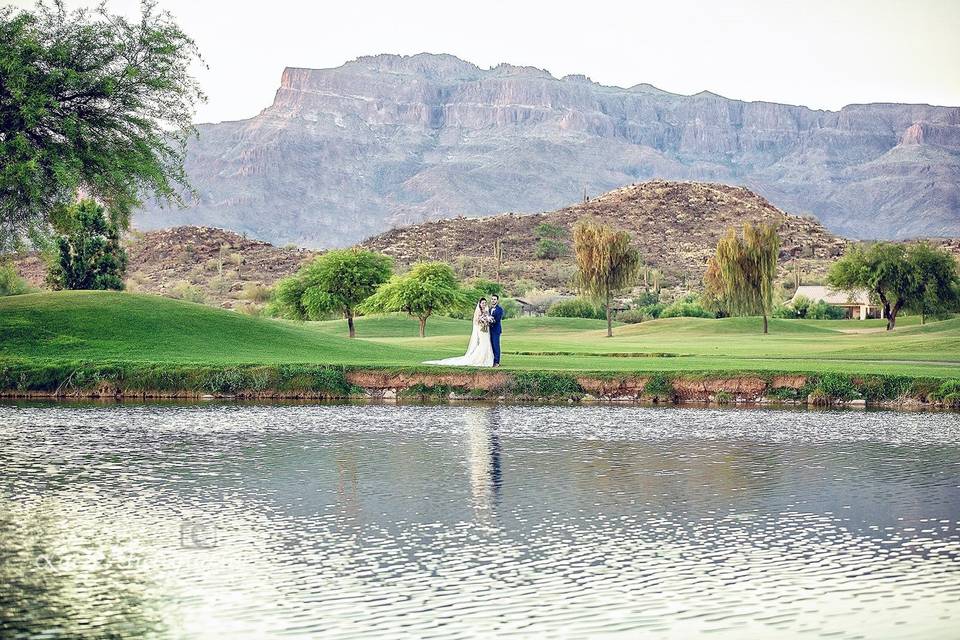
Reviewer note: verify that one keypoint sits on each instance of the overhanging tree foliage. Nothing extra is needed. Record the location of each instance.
(606, 264)
(89, 253)
(428, 288)
(917, 277)
(337, 281)
(92, 103)
(739, 278)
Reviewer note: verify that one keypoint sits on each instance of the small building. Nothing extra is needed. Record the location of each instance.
(856, 304)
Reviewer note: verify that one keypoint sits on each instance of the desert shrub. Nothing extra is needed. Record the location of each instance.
(251, 309)
(547, 230)
(11, 284)
(256, 292)
(576, 308)
(183, 290)
(541, 384)
(549, 249)
(220, 284)
(685, 309)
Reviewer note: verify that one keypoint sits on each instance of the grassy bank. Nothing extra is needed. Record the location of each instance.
(124, 344)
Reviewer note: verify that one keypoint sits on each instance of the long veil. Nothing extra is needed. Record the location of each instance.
(475, 335)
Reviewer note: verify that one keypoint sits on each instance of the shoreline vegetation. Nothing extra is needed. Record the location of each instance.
(80, 344)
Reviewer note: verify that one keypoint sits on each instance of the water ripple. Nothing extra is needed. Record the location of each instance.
(174, 521)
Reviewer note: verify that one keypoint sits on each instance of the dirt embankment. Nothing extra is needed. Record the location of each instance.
(330, 383)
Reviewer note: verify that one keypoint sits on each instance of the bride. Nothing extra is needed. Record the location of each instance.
(479, 350)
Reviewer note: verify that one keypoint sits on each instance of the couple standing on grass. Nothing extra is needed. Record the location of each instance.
(483, 350)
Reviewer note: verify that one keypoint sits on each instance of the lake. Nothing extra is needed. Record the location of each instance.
(249, 521)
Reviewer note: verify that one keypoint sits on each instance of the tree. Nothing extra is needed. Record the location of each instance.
(428, 288)
(739, 277)
(335, 282)
(549, 249)
(90, 103)
(935, 281)
(917, 277)
(89, 254)
(549, 244)
(606, 264)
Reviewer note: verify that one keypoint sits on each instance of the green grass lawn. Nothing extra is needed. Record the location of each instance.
(122, 327)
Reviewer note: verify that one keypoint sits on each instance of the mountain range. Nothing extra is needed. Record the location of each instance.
(382, 141)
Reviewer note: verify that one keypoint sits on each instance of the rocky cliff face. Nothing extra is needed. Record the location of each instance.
(346, 153)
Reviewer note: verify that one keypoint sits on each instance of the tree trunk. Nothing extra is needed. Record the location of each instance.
(892, 317)
(423, 327)
(353, 332)
(765, 326)
(609, 318)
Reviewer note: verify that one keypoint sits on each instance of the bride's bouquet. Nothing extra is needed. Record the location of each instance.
(485, 321)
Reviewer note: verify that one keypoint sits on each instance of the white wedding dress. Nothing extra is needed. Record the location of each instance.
(479, 350)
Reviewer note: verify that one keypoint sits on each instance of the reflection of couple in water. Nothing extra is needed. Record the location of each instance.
(483, 457)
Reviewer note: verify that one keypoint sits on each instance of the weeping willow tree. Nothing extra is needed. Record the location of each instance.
(606, 264)
(740, 276)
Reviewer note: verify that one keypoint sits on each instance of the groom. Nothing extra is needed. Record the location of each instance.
(496, 328)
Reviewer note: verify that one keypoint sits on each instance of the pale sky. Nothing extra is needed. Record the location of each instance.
(820, 53)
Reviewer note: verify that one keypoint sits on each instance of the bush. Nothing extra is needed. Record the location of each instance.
(255, 292)
(547, 230)
(539, 384)
(803, 307)
(832, 387)
(684, 309)
(948, 393)
(820, 310)
(645, 299)
(549, 249)
(183, 290)
(652, 311)
(784, 312)
(659, 386)
(11, 284)
(576, 308)
(631, 316)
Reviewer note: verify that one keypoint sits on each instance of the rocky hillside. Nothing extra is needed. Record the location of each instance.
(384, 141)
(200, 264)
(675, 225)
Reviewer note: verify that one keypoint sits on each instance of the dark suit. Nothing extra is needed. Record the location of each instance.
(496, 328)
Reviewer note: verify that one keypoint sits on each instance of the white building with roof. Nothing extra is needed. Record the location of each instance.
(857, 304)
